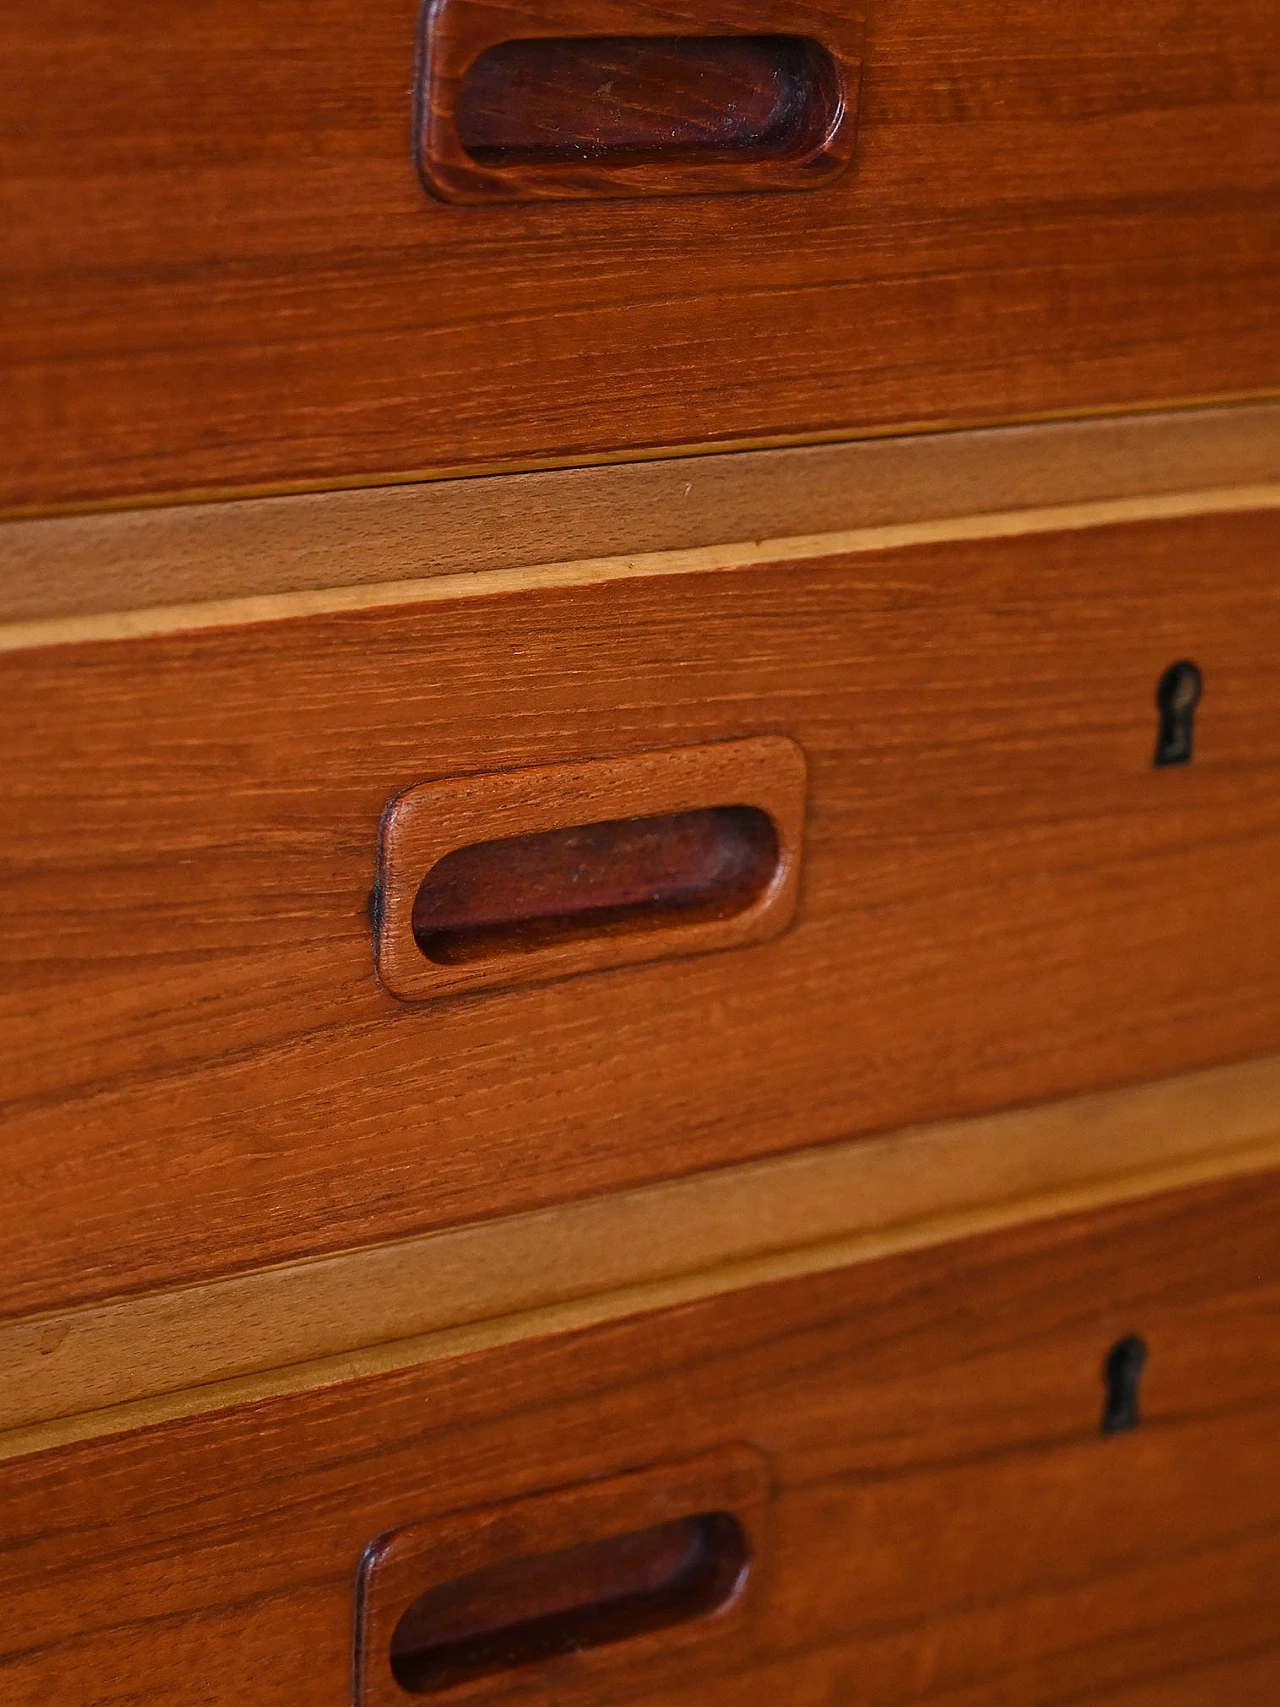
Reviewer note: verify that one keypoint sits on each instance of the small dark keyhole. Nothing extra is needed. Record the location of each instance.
(1122, 1372)
(1177, 696)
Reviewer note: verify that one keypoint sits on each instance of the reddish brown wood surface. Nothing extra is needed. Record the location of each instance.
(221, 269)
(628, 873)
(948, 1526)
(723, 96)
(1002, 900)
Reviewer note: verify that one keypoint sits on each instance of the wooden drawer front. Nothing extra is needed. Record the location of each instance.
(1000, 898)
(222, 269)
(945, 1522)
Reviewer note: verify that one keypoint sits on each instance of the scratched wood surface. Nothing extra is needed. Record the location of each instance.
(947, 1526)
(222, 272)
(1001, 900)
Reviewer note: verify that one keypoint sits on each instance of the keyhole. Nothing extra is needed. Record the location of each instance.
(1121, 1372)
(1177, 695)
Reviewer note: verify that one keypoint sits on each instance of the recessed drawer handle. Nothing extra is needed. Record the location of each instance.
(642, 98)
(526, 875)
(526, 1610)
(582, 98)
(568, 1592)
(631, 874)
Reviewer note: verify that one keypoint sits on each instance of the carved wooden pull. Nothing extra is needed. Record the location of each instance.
(527, 875)
(528, 1610)
(600, 98)
(579, 1584)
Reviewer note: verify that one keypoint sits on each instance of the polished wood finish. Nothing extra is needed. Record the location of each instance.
(222, 271)
(1003, 901)
(948, 1524)
(565, 99)
(138, 1360)
(507, 917)
(267, 548)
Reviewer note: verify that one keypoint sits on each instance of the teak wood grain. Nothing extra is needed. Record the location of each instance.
(1001, 900)
(947, 1524)
(222, 271)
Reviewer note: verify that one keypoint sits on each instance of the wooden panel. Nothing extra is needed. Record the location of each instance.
(948, 1525)
(1002, 901)
(74, 565)
(222, 271)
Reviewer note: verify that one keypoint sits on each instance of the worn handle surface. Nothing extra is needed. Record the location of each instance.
(583, 98)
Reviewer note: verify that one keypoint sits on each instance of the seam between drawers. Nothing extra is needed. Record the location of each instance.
(296, 1327)
(1007, 524)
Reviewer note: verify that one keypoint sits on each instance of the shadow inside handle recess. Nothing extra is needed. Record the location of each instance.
(525, 1610)
(630, 874)
(638, 99)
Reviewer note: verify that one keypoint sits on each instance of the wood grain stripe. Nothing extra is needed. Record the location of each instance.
(74, 566)
(1006, 524)
(139, 1360)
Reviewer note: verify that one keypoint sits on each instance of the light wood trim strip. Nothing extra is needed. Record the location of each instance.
(684, 451)
(208, 553)
(235, 613)
(145, 1359)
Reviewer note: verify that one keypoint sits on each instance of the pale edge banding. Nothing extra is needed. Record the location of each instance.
(140, 1361)
(1006, 524)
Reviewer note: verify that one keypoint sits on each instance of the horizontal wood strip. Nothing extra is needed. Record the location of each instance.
(374, 537)
(140, 1360)
(1005, 524)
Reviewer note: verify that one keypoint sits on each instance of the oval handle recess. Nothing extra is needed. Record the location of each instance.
(647, 100)
(527, 875)
(579, 98)
(568, 1590)
(522, 1611)
(630, 874)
